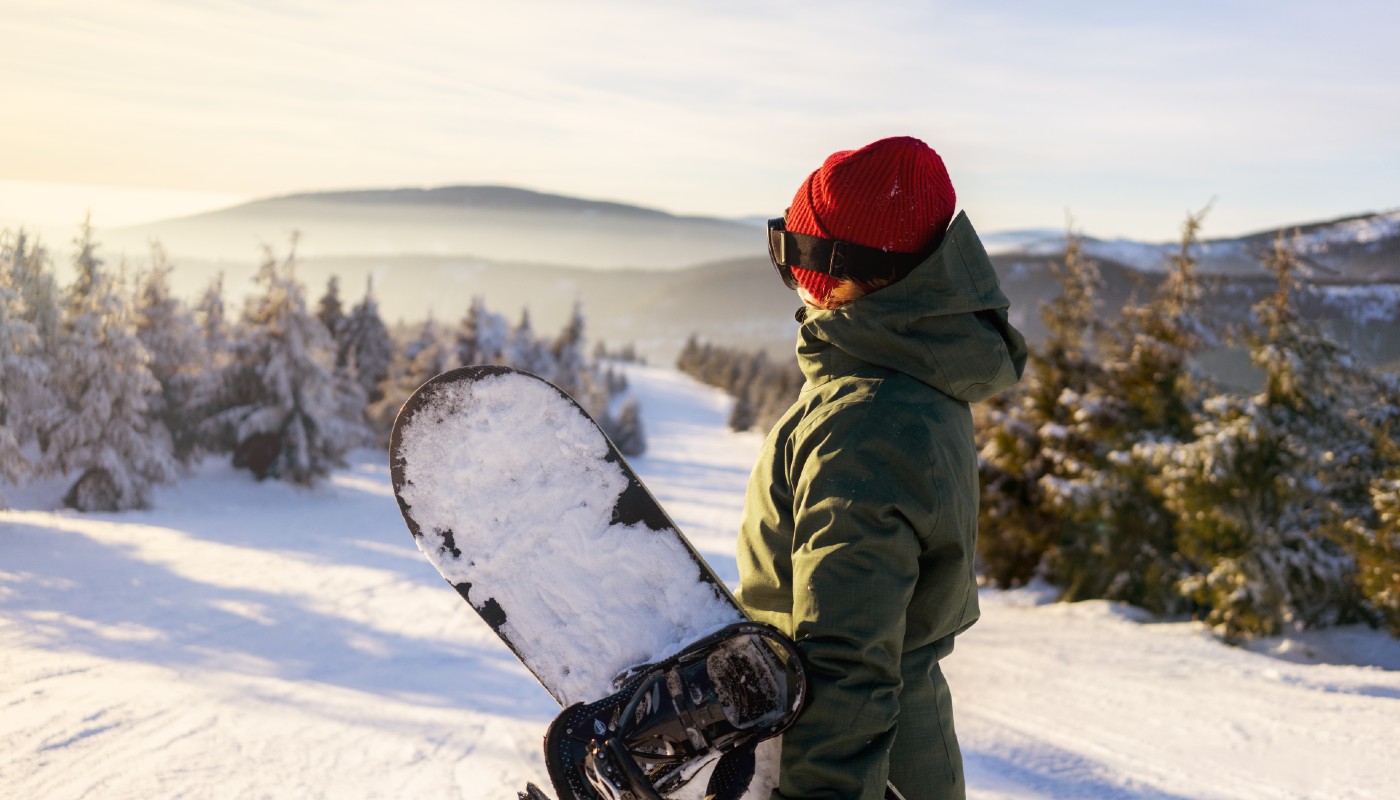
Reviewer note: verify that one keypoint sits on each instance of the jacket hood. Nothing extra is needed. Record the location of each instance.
(944, 324)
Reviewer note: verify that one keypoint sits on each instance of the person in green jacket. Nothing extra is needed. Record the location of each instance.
(860, 520)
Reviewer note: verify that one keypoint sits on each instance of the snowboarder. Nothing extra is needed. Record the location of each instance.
(860, 519)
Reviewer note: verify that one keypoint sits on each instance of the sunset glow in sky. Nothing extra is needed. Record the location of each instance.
(1124, 114)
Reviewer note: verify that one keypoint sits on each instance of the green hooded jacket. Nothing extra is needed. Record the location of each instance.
(860, 522)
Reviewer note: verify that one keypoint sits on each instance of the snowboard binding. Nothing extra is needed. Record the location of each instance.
(716, 699)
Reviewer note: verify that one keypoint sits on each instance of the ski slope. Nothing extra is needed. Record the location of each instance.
(248, 640)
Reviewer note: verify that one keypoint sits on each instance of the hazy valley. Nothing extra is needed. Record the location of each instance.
(653, 279)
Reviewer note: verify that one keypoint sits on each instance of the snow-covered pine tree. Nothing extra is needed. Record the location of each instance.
(780, 390)
(428, 355)
(1040, 458)
(211, 317)
(22, 367)
(285, 411)
(31, 276)
(364, 345)
(627, 354)
(626, 432)
(210, 396)
(570, 365)
(468, 351)
(1262, 493)
(28, 272)
(482, 336)
(329, 308)
(769, 389)
(17, 367)
(587, 382)
(526, 352)
(742, 416)
(1151, 356)
(178, 359)
(745, 379)
(1375, 541)
(1143, 388)
(615, 380)
(690, 356)
(398, 384)
(101, 428)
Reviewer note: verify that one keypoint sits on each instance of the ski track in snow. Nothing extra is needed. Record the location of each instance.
(248, 640)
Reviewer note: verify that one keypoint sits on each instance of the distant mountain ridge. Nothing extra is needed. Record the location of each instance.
(654, 278)
(499, 223)
(483, 196)
(1356, 247)
(506, 223)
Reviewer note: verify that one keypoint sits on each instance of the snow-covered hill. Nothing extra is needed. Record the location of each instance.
(1363, 248)
(250, 640)
(494, 223)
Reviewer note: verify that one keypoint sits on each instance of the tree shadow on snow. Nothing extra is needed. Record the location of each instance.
(70, 591)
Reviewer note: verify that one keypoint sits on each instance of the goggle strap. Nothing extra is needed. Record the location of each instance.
(836, 258)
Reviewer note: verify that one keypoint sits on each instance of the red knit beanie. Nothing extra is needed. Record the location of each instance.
(893, 194)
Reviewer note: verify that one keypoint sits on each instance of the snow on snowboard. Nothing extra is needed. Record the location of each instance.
(524, 506)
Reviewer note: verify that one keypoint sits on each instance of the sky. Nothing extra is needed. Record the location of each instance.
(1121, 116)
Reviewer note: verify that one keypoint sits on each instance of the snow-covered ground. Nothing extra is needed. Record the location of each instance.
(248, 640)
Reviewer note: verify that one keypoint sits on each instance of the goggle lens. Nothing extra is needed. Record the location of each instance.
(777, 251)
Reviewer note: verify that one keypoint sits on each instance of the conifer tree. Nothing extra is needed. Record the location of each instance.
(398, 385)
(742, 416)
(100, 427)
(482, 336)
(763, 391)
(1142, 388)
(212, 320)
(1039, 463)
(329, 309)
(365, 345)
(17, 367)
(34, 319)
(1152, 354)
(1261, 494)
(31, 276)
(626, 432)
(22, 368)
(525, 352)
(617, 380)
(210, 395)
(287, 413)
(178, 359)
(1373, 539)
(1376, 544)
(687, 360)
(427, 356)
(570, 365)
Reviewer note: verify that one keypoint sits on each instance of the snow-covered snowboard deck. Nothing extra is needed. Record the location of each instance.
(525, 507)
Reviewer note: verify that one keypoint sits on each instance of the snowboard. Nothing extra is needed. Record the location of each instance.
(526, 508)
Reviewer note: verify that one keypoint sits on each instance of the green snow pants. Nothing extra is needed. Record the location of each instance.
(925, 763)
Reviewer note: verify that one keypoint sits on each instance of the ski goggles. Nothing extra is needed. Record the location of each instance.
(841, 260)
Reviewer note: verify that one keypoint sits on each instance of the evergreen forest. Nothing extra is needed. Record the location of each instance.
(1119, 469)
(116, 386)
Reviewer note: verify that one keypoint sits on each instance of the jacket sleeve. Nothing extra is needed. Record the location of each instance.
(861, 493)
